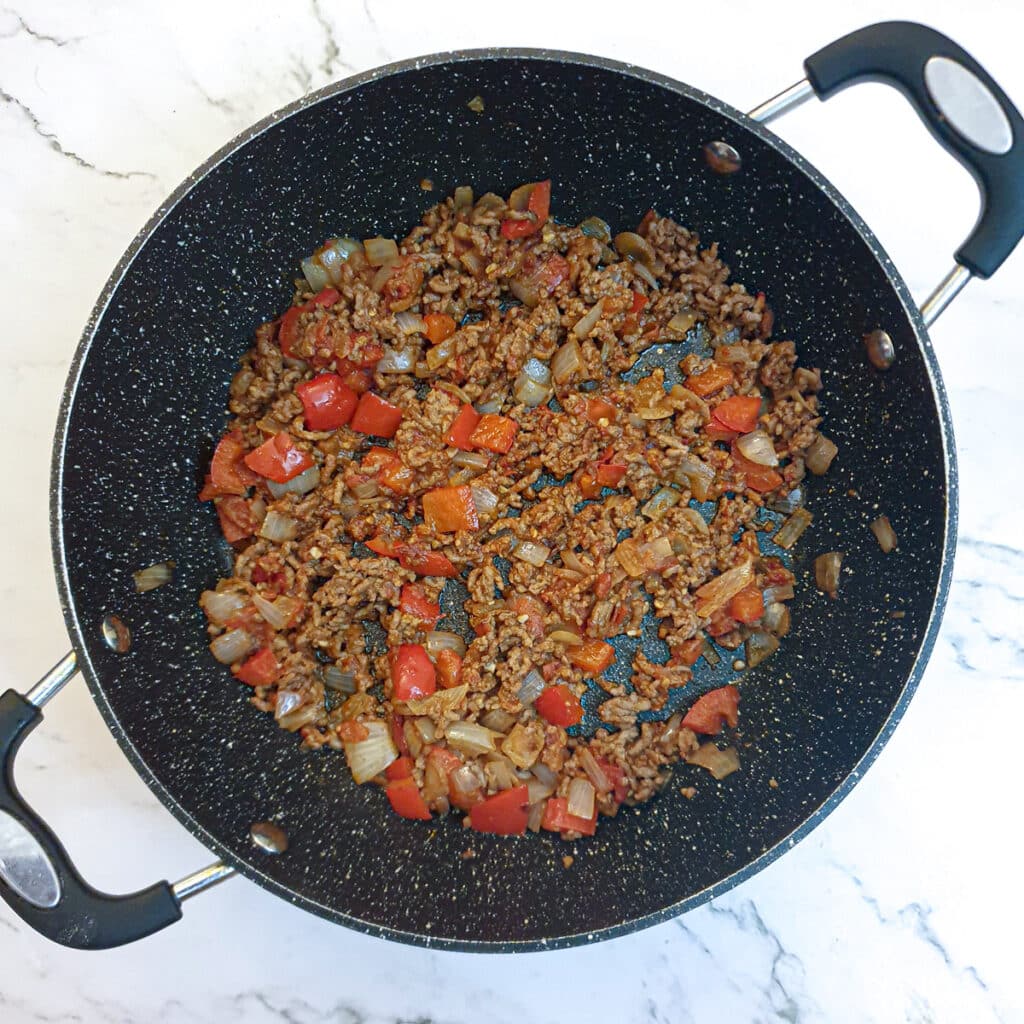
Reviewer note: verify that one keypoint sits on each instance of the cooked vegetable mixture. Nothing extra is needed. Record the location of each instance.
(450, 484)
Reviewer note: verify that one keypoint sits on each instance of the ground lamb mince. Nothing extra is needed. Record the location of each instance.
(319, 617)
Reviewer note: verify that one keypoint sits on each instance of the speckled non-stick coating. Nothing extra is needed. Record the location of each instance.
(145, 402)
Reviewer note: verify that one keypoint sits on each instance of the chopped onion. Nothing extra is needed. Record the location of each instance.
(826, 571)
(594, 227)
(819, 455)
(562, 635)
(532, 687)
(792, 529)
(498, 720)
(438, 704)
(276, 618)
(439, 640)
(520, 198)
(381, 277)
(655, 553)
(757, 446)
(523, 745)
(424, 728)
(581, 798)
(410, 323)
(535, 554)
(780, 593)
(538, 790)
(473, 262)
(315, 274)
(789, 503)
(369, 757)
(683, 322)
(468, 779)
(402, 360)
(221, 605)
(634, 247)
(470, 738)
(776, 618)
(297, 718)
(533, 385)
(667, 739)
(332, 255)
(587, 323)
(305, 482)
(709, 653)
(718, 592)
(760, 645)
(696, 520)
(500, 773)
(338, 680)
(719, 762)
(594, 771)
(380, 251)
(157, 575)
(232, 646)
(366, 489)
(475, 461)
(661, 502)
(485, 500)
(573, 561)
(492, 405)
(642, 271)
(527, 294)
(463, 201)
(287, 701)
(545, 774)
(883, 531)
(438, 355)
(628, 555)
(698, 475)
(278, 528)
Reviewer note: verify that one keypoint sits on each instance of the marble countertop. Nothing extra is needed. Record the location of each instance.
(903, 906)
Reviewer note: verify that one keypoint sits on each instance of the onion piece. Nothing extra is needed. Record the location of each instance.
(884, 534)
(642, 271)
(467, 780)
(661, 502)
(477, 462)
(366, 489)
(571, 560)
(594, 771)
(298, 717)
(538, 791)
(784, 592)
(401, 360)
(531, 688)
(719, 762)
(463, 199)
(157, 575)
(333, 254)
(594, 227)
(682, 323)
(530, 392)
(716, 593)
(439, 640)
(792, 529)
(305, 482)
(757, 446)
(338, 680)
(581, 798)
(380, 251)
(545, 774)
(410, 323)
(587, 323)
(523, 745)
(535, 554)
(527, 294)
(709, 654)
(278, 528)
(760, 645)
(634, 247)
(696, 520)
(826, 571)
(491, 405)
(628, 555)
(437, 705)
(315, 274)
(562, 635)
(438, 355)
(470, 738)
(498, 721)
(776, 618)
(697, 475)
(484, 500)
(819, 455)
(788, 503)
(221, 605)
(231, 646)
(369, 757)
(275, 617)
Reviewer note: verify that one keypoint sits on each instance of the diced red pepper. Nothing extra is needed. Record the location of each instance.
(328, 403)
(376, 417)
(559, 706)
(261, 669)
(689, 652)
(716, 432)
(599, 409)
(412, 672)
(503, 814)
(450, 509)
(558, 819)
(359, 380)
(388, 547)
(714, 709)
(617, 777)
(610, 474)
(462, 428)
(397, 726)
(593, 656)
(738, 413)
(414, 602)
(757, 477)
(712, 380)
(587, 483)
(449, 669)
(440, 327)
(236, 519)
(747, 606)
(639, 301)
(721, 623)
(326, 297)
(288, 330)
(407, 800)
(388, 468)
(495, 433)
(399, 769)
(228, 472)
(279, 459)
(424, 562)
(539, 204)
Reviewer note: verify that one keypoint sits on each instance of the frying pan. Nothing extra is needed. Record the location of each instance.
(144, 404)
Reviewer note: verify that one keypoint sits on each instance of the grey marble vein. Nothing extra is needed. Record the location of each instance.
(23, 28)
(332, 52)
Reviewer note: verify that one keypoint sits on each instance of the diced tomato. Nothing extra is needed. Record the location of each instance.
(713, 379)
(543, 276)
(738, 413)
(397, 726)
(610, 474)
(352, 731)
(714, 709)
(559, 706)
(400, 769)
(407, 800)
(228, 471)
(721, 623)
(747, 606)
(412, 672)
(424, 562)
(396, 476)
(327, 297)
(261, 669)
(513, 229)
(236, 519)
(599, 409)
(617, 777)
(503, 814)
(389, 547)
(414, 602)
(639, 301)
(689, 651)
(449, 669)
(558, 819)
(539, 205)
(495, 433)
(462, 428)
(593, 656)
(717, 432)
(376, 417)
(403, 284)
(288, 330)
(279, 459)
(328, 403)
(440, 327)
(757, 477)
(450, 509)
(531, 611)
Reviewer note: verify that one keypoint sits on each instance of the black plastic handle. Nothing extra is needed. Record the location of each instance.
(896, 52)
(83, 918)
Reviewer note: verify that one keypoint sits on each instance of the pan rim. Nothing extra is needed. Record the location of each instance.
(820, 813)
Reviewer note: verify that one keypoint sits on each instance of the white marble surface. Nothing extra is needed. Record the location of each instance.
(905, 905)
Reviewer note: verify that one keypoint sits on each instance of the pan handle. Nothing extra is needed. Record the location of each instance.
(37, 878)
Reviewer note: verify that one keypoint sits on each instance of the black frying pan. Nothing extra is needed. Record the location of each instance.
(145, 401)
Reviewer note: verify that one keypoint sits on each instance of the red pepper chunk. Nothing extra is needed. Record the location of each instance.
(462, 428)
(449, 669)
(617, 777)
(424, 562)
(440, 327)
(406, 799)
(747, 606)
(495, 433)
(593, 656)
(376, 417)
(714, 709)
(757, 477)
(412, 672)
(639, 301)
(559, 706)
(738, 413)
(279, 459)
(228, 471)
(326, 297)
(327, 402)
(450, 509)
(712, 380)
(261, 669)
(610, 474)
(503, 814)
(414, 602)
(399, 769)
(558, 819)
(236, 519)
(388, 547)
(288, 331)
(689, 652)
(599, 409)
